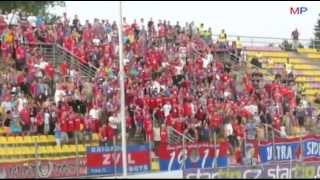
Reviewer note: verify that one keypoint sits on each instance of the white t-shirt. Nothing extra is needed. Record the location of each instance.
(22, 102)
(32, 20)
(226, 94)
(73, 73)
(13, 19)
(283, 131)
(166, 109)
(94, 113)
(156, 133)
(58, 95)
(7, 106)
(304, 103)
(193, 109)
(96, 42)
(43, 65)
(182, 52)
(126, 61)
(114, 122)
(46, 118)
(228, 129)
(156, 86)
(179, 70)
(207, 60)
(253, 109)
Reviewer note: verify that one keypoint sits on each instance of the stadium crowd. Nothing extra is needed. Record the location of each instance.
(175, 77)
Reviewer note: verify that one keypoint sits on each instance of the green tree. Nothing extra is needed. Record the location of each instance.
(34, 7)
(316, 41)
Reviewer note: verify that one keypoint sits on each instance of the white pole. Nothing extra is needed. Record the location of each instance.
(122, 98)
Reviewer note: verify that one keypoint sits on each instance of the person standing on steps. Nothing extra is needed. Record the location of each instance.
(295, 39)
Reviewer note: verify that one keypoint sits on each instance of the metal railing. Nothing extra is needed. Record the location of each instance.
(268, 41)
(63, 55)
(175, 137)
(56, 55)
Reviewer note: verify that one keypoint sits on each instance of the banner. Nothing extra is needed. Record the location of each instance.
(275, 171)
(279, 152)
(311, 148)
(199, 155)
(108, 159)
(44, 169)
(290, 149)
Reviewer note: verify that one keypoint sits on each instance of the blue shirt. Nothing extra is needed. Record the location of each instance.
(15, 128)
(57, 134)
(251, 130)
(39, 21)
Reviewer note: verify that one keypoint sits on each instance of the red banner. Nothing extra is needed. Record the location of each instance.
(44, 168)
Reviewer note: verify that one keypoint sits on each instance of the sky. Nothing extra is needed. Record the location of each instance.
(246, 18)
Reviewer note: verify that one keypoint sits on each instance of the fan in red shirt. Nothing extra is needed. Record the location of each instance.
(164, 135)
(238, 128)
(103, 136)
(226, 78)
(129, 121)
(238, 156)
(180, 125)
(49, 69)
(5, 51)
(293, 103)
(40, 121)
(3, 24)
(87, 35)
(33, 89)
(63, 112)
(69, 43)
(244, 113)
(148, 128)
(25, 116)
(64, 68)
(110, 133)
(152, 103)
(78, 122)
(215, 121)
(71, 124)
(162, 31)
(276, 122)
(210, 106)
(170, 120)
(153, 60)
(200, 114)
(64, 125)
(146, 75)
(225, 147)
(277, 96)
(224, 151)
(21, 79)
(29, 36)
(199, 63)
(249, 87)
(159, 102)
(187, 109)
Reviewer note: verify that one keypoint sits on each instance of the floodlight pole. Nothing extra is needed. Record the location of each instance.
(122, 96)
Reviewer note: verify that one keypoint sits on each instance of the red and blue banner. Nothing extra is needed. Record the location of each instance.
(108, 159)
(311, 148)
(290, 149)
(198, 155)
(279, 151)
